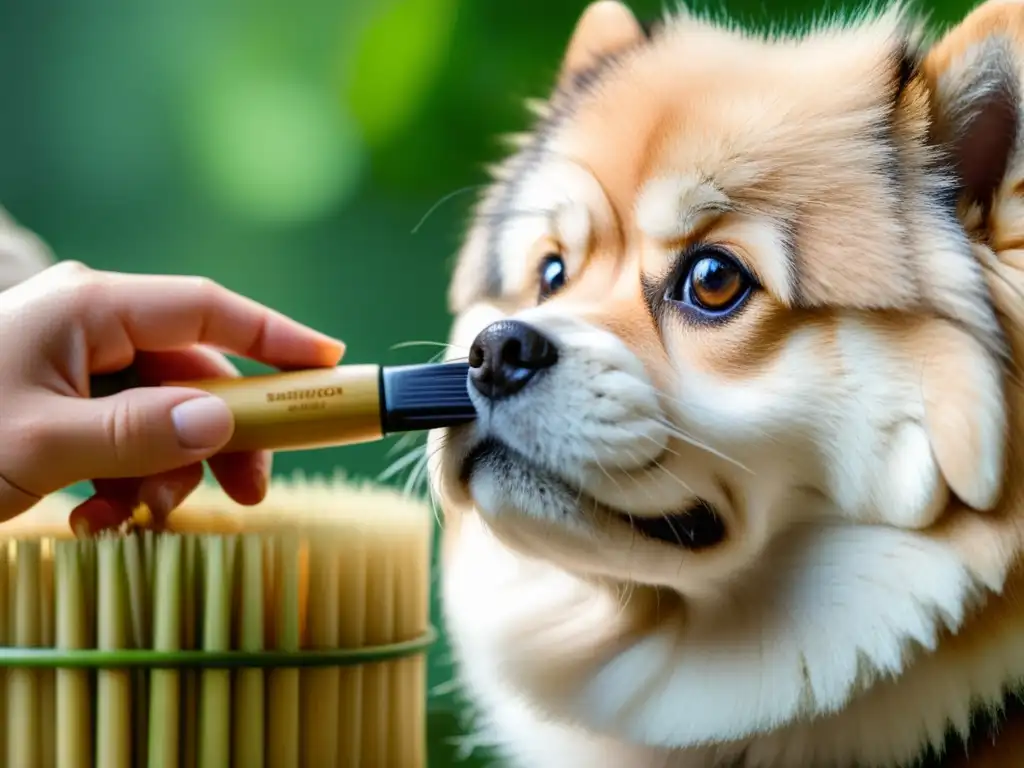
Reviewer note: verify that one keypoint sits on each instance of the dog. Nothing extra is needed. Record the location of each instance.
(744, 316)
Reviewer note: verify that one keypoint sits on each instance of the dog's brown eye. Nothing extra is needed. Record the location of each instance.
(714, 283)
(552, 275)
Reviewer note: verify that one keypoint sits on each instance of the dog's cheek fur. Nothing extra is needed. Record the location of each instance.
(797, 414)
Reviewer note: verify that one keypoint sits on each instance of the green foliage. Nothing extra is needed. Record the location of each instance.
(275, 148)
(396, 64)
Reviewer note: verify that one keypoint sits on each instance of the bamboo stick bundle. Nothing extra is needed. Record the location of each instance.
(289, 634)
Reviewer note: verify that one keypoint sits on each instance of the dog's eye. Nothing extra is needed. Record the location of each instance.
(713, 283)
(552, 275)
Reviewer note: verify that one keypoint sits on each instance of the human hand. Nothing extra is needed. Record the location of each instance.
(143, 445)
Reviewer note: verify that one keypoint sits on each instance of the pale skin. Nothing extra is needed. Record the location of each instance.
(144, 445)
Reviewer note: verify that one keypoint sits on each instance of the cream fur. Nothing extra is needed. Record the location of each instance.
(852, 425)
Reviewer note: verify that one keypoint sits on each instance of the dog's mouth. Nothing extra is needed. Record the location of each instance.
(698, 526)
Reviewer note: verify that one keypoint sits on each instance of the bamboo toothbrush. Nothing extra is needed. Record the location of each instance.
(329, 406)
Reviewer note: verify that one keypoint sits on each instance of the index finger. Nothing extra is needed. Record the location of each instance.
(160, 313)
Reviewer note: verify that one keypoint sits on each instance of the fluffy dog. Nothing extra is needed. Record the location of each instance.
(744, 316)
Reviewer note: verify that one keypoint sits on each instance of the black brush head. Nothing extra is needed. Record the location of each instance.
(427, 396)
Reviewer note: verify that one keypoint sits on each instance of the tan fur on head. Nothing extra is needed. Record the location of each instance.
(856, 423)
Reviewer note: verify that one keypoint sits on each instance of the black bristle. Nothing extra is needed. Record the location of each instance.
(428, 396)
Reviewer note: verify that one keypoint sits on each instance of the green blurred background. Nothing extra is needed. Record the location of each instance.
(289, 151)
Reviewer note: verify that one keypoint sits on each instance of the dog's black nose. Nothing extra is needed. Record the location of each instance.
(506, 355)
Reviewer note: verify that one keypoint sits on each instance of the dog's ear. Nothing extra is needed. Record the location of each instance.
(973, 75)
(22, 254)
(965, 415)
(956, 442)
(605, 28)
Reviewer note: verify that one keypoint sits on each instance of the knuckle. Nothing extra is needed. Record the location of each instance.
(73, 271)
(89, 290)
(204, 293)
(80, 283)
(204, 287)
(84, 299)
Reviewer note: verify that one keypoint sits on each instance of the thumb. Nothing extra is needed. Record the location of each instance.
(136, 433)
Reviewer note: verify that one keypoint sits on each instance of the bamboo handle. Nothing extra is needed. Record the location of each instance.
(297, 410)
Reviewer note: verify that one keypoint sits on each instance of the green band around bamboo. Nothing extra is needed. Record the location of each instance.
(57, 658)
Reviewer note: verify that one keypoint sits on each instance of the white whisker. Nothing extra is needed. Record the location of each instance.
(700, 445)
(674, 476)
(442, 201)
(401, 463)
(428, 343)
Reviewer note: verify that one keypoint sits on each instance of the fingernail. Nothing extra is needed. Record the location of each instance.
(202, 423)
(335, 349)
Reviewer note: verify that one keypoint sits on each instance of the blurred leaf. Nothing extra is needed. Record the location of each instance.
(399, 57)
(275, 148)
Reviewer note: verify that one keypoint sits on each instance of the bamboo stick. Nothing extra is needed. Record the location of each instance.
(248, 735)
(165, 684)
(215, 696)
(283, 720)
(74, 700)
(319, 687)
(113, 686)
(23, 726)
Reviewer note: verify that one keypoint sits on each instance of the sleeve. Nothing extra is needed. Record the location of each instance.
(22, 253)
